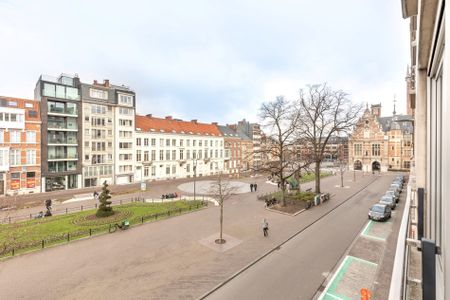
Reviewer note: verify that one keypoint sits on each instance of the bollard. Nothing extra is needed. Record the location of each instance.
(68, 237)
(109, 228)
(30, 217)
(81, 207)
(121, 202)
(180, 211)
(43, 244)
(66, 210)
(9, 220)
(156, 216)
(90, 232)
(197, 205)
(12, 251)
(143, 200)
(168, 213)
(142, 220)
(95, 205)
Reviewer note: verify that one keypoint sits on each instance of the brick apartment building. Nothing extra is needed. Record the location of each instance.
(20, 146)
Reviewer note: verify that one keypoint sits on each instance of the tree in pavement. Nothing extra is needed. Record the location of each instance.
(323, 112)
(104, 209)
(221, 190)
(281, 153)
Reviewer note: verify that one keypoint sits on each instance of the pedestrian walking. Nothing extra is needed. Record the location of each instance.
(251, 187)
(265, 227)
(255, 186)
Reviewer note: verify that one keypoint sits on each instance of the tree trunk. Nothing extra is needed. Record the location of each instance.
(317, 173)
(283, 187)
(221, 220)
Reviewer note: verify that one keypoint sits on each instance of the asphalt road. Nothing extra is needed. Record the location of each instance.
(165, 259)
(297, 269)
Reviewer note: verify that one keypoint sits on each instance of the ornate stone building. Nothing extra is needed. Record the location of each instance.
(381, 143)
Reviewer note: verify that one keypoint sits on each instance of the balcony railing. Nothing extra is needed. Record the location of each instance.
(62, 140)
(403, 278)
(62, 156)
(62, 125)
(61, 110)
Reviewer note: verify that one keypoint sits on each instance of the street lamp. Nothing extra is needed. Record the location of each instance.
(195, 172)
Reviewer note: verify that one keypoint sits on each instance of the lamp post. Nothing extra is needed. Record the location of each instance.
(195, 172)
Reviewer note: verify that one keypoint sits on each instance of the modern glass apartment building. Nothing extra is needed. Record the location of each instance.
(60, 108)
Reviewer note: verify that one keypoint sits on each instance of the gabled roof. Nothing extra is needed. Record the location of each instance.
(170, 125)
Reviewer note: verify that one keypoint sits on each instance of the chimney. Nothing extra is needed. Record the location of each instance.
(169, 118)
(214, 123)
(95, 82)
(194, 121)
(148, 115)
(376, 109)
(106, 82)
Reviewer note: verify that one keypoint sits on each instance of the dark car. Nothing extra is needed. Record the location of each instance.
(397, 186)
(388, 200)
(392, 194)
(379, 212)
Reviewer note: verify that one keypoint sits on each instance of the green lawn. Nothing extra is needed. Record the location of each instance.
(27, 235)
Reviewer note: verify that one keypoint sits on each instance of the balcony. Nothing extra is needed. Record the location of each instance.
(59, 125)
(66, 111)
(56, 167)
(62, 140)
(57, 157)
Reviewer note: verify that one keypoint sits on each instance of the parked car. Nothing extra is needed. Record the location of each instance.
(398, 181)
(396, 186)
(380, 212)
(392, 194)
(396, 193)
(388, 200)
(400, 177)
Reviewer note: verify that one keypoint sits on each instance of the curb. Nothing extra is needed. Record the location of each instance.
(281, 244)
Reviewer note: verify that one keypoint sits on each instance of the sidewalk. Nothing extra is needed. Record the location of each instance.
(368, 262)
(32, 200)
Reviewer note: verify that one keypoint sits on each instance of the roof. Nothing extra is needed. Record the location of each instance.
(243, 136)
(170, 125)
(403, 122)
(228, 132)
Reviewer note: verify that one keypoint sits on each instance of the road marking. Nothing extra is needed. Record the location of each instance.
(329, 291)
(365, 232)
(334, 297)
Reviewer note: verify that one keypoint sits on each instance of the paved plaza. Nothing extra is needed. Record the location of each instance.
(171, 259)
(205, 186)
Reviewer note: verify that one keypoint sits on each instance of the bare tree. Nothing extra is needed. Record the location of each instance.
(322, 113)
(221, 190)
(280, 151)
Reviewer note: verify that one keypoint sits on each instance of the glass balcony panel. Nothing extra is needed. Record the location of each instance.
(60, 92)
(49, 90)
(72, 93)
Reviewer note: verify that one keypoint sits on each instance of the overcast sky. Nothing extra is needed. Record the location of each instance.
(209, 60)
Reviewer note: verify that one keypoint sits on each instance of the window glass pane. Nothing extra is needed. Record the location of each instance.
(49, 90)
(60, 92)
(72, 93)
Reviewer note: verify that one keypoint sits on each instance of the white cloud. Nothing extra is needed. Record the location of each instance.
(208, 60)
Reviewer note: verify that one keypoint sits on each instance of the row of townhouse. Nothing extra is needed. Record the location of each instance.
(74, 135)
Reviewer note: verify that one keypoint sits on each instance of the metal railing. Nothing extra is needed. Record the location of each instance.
(407, 238)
